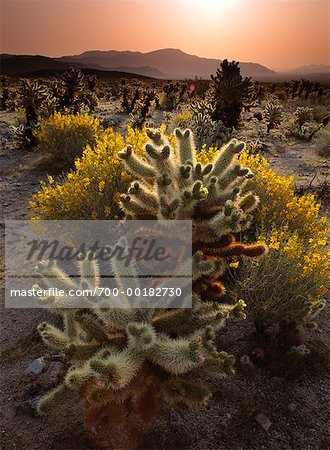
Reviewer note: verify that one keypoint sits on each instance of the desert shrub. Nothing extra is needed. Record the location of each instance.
(320, 112)
(285, 290)
(91, 190)
(182, 118)
(65, 136)
(322, 143)
(279, 204)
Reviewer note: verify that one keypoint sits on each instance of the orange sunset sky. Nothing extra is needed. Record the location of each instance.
(276, 33)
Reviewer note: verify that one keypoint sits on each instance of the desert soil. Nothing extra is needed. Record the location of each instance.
(298, 408)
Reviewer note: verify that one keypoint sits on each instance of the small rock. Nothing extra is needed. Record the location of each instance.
(55, 372)
(36, 367)
(292, 407)
(263, 421)
(28, 408)
(247, 365)
(258, 355)
(176, 421)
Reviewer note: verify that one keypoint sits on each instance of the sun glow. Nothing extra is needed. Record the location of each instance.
(211, 8)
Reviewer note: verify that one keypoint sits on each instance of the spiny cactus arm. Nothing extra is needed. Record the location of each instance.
(255, 250)
(136, 165)
(115, 318)
(217, 196)
(144, 196)
(220, 366)
(125, 273)
(92, 326)
(172, 320)
(201, 266)
(231, 175)
(89, 270)
(134, 209)
(156, 136)
(168, 209)
(248, 202)
(186, 145)
(220, 225)
(158, 157)
(177, 390)
(117, 370)
(53, 337)
(102, 396)
(70, 326)
(54, 398)
(176, 356)
(78, 377)
(140, 337)
(226, 156)
(55, 277)
(80, 351)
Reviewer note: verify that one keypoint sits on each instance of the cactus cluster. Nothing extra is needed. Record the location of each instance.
(304, 89)
(206, 130)
(124, 361)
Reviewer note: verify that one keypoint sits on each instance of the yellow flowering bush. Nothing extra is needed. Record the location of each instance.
(291, 282)
(92, 189)
(182, 118)
(279, 206)
(278, 203)
(65, 136)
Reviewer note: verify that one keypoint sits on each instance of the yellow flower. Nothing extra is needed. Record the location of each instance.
(234, 264)
(107, 211)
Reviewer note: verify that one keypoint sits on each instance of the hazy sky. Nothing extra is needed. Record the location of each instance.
(277, 33)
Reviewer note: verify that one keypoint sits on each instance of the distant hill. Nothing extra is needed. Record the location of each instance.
(311, 68)
(145, 71)
(18, 65)
(161, 64)
(173, 63)
(42, 66)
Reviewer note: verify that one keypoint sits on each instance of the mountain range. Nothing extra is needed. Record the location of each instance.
(161, 64)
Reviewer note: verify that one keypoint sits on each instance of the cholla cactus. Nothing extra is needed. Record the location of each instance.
(5, 92)
(129, 99)
(273, 116)
(73, 82)
(142, 109)
(208, 131)
(302, 115)
(124, 361)
(230, 93)
(32, 95)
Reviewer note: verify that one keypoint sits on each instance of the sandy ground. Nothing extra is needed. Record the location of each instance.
(299, 408)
